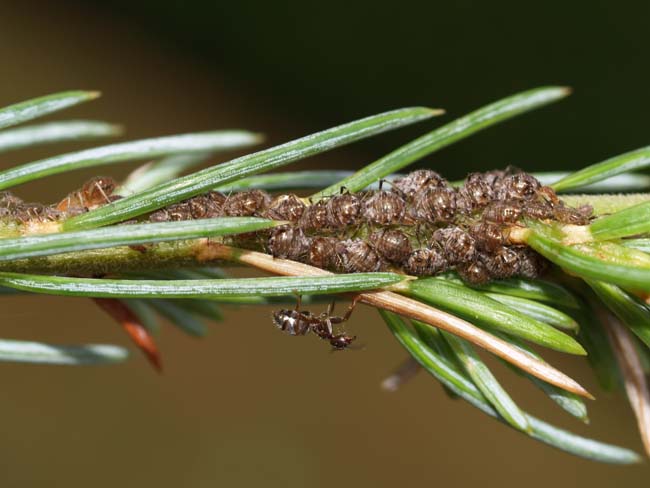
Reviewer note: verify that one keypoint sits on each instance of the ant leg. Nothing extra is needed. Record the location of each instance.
(348, 313)
(103, 193)
(299, 303)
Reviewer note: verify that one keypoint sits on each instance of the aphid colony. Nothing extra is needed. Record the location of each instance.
(420, 224)
(94, 193)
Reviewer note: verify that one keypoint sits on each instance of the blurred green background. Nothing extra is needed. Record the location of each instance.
(249, 406)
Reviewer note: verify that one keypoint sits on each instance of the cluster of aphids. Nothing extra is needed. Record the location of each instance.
(420, 224)
(94, 193)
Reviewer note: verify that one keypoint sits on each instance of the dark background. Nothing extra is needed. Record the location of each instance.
(248, 406)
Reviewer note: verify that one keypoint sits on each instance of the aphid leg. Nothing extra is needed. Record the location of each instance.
(101, 191)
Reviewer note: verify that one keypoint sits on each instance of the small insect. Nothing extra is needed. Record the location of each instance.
(478, 190)
(417, 181)
(314, 216)
(507, 212)
(531, 264)
(574, 216)
(359, 257)
(301, 322)
(435, 205)
(288, 243)
(246, 203)
(26, 212)
(172, 213)
(322, 254)
(94, 193)
(474, 273)
(391, 244)
(489, 236)
(383, 208)
(206, 206)
(426, 262)
(285, 207)
(518, 186)
(538, 210)
(343, 210)
(458, 245)
(502, 263)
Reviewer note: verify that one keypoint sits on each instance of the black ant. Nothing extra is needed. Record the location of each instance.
(301, 322)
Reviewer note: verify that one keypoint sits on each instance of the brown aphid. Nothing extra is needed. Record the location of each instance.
(26, 212)
(426, 262)
(417, 181)
(343, 210)
(489, 236)
(435, 205)
(358, 257)
(94, 193)
(494, 177)
(568, 215)
(538, 210)
(507, 212)
(285, 207)
(206, 206)
(457, 244)
(391, 244)
(314, 216)
(172, 213)
(474, 273)
(502, 263)
(478, 190)
(531, 264)
(383, 208)
(518, 186)
(288, 243)
(322, 254)
(9, 200)
(246, 203)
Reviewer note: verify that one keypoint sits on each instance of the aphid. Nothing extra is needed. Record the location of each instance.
(9, 200)
(391, 244)
(358, 257)
(285, 207)
(343, 210)
(568, 215)
(322, 254)
(288, 243)
(246, 203)
(26, 212)
(172, 213)
(383, 208)
(314, 216)
(489, 236)
(539, 210)
(507, 212)
(531, 264)
(502, 263)
(417, 181)
(298, 322)
(426, 262)
(435, 205)
(493, 178)
(206, 206)
(548, 194)
(518, 186)
(474, 273)
(457, 244)
(94, 193)
(478, 190)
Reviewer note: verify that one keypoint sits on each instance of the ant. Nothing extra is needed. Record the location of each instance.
(300, 322)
